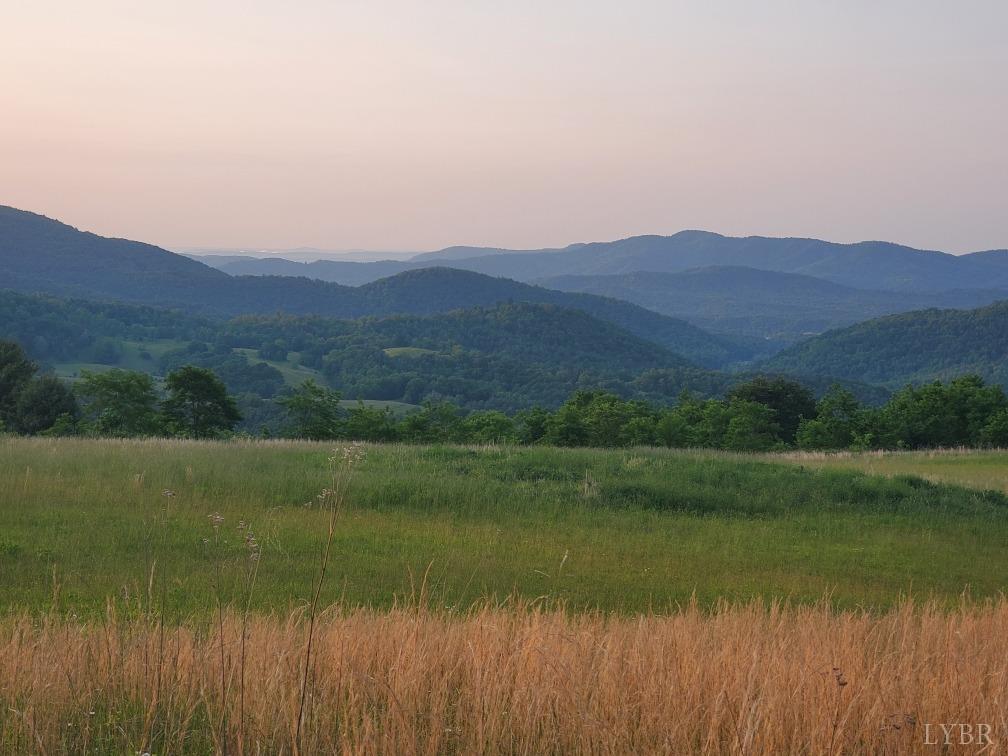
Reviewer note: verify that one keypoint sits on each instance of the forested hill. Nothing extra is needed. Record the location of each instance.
(41, 254)
(38, 254)
(431, 290)
(909, 347)
(505, 357)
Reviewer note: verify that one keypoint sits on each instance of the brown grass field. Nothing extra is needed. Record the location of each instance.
(745, 678)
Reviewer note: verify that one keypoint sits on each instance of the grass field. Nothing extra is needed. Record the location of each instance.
(494, 600)
(294, 374)
(407, 352)
(625, 531)
(130, 359)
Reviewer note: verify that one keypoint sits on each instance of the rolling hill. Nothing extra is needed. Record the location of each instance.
(780, 306)
(430, 290)
(38, 254)
(508, 356)
(909, 347)
(505, 357)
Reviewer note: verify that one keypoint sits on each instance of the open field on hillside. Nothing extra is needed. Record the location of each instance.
(135, 355)
(980, 469)
(84, 521)
(742, 679)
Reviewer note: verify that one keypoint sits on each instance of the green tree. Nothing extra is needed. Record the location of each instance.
(712, 428)
(16, 372)
(488, 428)
(119, 403)
(43, 402)
(838, 421)
(566, 427)
(640, 430)
(435, 422)
(370, 424)
(752, 426)
(937, 414)
(680, 426)
(314, 412)
(531, 425)
(198, 405)
(789, 400)
(995, 430)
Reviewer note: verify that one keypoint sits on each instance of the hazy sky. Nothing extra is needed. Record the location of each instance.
(415, 125)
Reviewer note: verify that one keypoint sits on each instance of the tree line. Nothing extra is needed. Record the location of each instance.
(193, 403)
(762, 414)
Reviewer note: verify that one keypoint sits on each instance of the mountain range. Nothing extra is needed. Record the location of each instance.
(870, 265)
(782, 307)
(706, 302)
(775, 290)
(40, 255)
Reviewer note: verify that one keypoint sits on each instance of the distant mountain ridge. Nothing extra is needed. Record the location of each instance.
(780, 306)
(871, 265)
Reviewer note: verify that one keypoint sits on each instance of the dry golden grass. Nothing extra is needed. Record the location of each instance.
(742, 679)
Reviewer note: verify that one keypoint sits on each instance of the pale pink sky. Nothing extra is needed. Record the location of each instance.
(415, 125)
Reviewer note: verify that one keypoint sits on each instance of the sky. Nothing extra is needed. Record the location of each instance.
(418, 125)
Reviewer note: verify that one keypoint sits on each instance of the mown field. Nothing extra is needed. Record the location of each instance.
(83, 521)
(495, 600)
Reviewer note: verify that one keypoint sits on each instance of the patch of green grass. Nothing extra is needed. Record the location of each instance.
(398, 408)
(407, 352)
(624, 531)
(131, 358)
(294, 374)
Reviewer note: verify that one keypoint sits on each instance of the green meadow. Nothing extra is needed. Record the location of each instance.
(87, 522)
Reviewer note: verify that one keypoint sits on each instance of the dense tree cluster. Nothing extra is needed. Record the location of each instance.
(30, 403)
(116, 403)
(909, 347)
(762, 414)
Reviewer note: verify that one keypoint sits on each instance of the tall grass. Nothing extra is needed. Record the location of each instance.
(745, 678)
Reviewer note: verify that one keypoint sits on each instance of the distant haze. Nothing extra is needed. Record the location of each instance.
(417, 125)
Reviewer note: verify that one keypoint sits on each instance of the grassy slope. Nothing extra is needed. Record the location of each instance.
(129, 360)
(83, 520)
